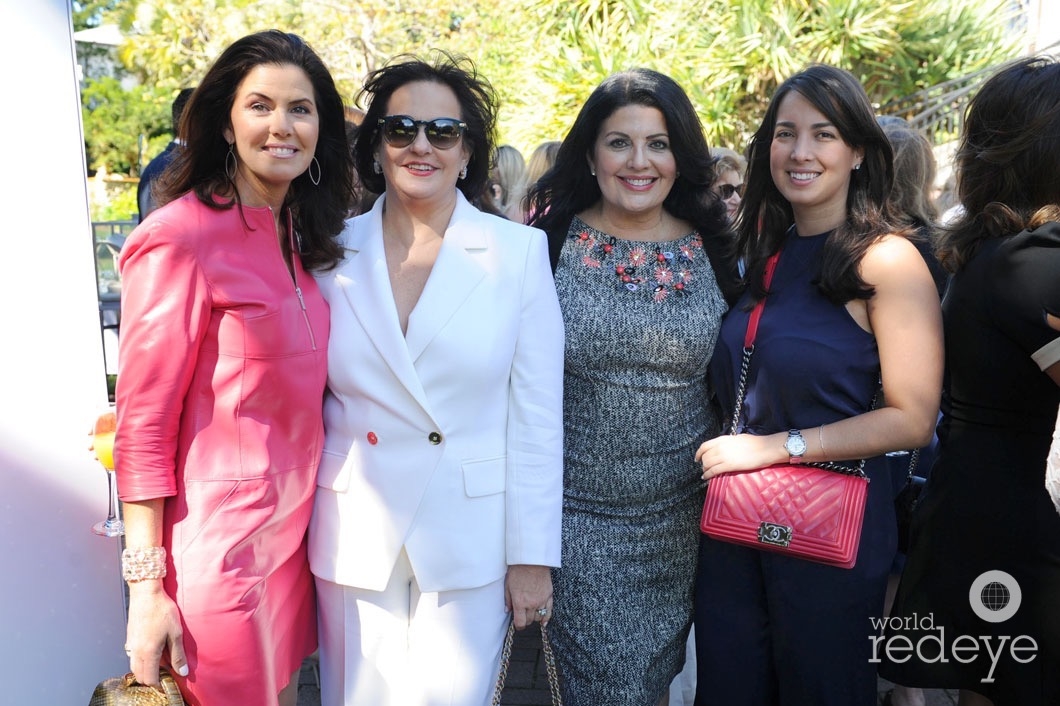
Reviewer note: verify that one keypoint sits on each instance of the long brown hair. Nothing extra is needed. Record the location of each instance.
(318, 211)
(765, 215)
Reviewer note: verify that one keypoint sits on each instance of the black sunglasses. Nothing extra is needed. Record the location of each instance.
(727, 190)
(401, 131)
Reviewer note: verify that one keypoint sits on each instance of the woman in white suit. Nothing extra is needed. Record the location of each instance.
(438, 505)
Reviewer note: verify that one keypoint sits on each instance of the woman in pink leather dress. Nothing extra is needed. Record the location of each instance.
(223, 351)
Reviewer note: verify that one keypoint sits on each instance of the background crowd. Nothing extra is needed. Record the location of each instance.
(529, 367)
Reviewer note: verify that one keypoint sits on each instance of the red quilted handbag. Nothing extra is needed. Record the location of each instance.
(807, 511)
(804, 511)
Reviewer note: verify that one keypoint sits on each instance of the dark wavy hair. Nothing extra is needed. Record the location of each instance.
(765, 215)
(477, 106)
(318, 212)
(568, 188)
(1008, 158)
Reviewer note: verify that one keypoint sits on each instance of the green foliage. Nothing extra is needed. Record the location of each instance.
(124, 128)
(89, 13)
(171, 44)
(545, 56)
(730, 55)
(118, 204)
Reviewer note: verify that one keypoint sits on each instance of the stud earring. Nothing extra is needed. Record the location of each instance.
(857, 166)
(376, 167)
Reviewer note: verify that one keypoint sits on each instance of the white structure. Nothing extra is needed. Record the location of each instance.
(61, 603)
(1043, 21)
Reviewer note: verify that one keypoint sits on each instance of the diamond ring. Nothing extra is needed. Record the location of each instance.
(542, 612)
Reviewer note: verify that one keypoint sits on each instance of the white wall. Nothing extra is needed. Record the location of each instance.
(1044, 18)
(61, 617)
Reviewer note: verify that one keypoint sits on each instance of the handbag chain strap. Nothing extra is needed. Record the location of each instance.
(550, 665)
(914, 459)
(745, 366)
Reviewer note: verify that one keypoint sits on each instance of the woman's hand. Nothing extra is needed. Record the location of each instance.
(528, 594)
(740, 452)
(154, 626)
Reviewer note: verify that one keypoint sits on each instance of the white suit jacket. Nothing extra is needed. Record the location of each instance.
(446, 441)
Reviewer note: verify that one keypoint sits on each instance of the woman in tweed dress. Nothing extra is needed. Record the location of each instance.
(638, 243)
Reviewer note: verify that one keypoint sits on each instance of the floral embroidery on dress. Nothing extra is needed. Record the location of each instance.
(662, 272)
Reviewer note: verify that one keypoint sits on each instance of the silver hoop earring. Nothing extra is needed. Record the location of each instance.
(463, 173)
(231, 163)
(376, 167)
(316, 179)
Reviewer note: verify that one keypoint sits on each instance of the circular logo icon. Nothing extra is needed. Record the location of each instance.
(995, 596)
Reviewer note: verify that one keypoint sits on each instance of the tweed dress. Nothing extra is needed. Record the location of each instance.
(641, 320)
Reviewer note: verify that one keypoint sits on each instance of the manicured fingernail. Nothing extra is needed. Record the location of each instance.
(183, 671)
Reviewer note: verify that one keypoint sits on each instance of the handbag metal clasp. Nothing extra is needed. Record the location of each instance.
(772, 533)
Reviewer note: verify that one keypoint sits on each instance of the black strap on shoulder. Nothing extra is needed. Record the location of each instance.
(556, 238)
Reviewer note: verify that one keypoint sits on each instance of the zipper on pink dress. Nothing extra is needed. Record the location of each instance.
(294, 277)
(305, 315)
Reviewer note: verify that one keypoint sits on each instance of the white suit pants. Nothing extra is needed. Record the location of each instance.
(401, 647)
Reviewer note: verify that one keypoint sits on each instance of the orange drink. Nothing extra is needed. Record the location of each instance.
(103, 439)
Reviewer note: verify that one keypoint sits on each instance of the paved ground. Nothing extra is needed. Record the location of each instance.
(527, 683)
(308, 689)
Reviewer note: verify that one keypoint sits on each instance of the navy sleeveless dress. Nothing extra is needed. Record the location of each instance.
(769, 628)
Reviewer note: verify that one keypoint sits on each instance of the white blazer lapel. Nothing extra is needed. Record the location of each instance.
(363, 279)
(457, 271)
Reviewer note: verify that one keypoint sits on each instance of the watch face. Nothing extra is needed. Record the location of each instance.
(795, 445)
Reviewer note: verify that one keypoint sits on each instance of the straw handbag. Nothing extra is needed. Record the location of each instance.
(126, 691)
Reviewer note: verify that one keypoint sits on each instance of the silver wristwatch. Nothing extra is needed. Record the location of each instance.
(795, 446)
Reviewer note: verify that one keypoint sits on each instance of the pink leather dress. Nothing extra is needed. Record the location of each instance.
(223, 366)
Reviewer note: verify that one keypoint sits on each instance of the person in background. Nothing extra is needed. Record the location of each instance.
(437, 515)
(145, 200)
(851, 305)
(224, 358)
(730, 166)
(541, 160)
(508, 183)
(912, 193)
(947, 202)
(913, 205)
(985, 519)
(641, 250)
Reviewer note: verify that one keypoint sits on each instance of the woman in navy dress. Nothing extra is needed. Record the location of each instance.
(851, 303)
